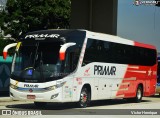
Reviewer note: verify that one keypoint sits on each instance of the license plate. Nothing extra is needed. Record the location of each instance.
(31, 96)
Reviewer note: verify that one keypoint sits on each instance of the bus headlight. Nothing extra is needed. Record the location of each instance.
(52, 87)
(56, 86)
(13, 86)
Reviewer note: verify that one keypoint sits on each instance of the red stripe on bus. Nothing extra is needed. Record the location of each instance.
(144, 45)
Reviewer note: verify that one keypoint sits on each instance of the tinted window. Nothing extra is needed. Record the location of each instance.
(109, 52)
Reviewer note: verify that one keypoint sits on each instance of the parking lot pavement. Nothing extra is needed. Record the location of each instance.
(5, 99)
(97, 108)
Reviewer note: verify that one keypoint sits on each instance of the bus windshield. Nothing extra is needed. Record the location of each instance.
(37, 62)
(37, 59)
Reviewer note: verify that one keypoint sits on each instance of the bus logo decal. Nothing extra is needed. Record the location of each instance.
(149, 72)
(30, 90)
(42, 36)
(31, 86)
(86, 73)
(104, 70)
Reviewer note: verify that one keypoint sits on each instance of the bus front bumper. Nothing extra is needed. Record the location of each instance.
(50, 96)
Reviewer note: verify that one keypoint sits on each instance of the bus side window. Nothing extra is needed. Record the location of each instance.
(90, 52)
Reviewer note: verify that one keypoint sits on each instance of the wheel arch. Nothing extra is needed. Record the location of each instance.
(88, 86)
(85, 91)
(142, 86)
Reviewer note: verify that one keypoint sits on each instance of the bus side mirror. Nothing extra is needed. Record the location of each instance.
(63, 50)
(5, 50)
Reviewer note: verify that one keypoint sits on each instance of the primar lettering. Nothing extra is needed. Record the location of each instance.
(42, 36)
(104, 70)
(31, 86)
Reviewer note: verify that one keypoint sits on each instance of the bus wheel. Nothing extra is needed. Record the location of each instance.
(85, 98)
(139, 95)
(40, 104)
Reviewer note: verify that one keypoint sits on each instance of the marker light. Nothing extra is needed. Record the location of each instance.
(63, 50)
(5, 50)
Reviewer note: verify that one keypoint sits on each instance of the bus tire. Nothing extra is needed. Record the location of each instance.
(85, 98)
(139, 95)
(40, 104)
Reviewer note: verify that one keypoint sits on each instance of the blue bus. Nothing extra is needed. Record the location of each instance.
(158, 76)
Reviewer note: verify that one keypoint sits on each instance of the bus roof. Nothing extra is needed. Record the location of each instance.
(101, 36)
(50, 34)
(118, 39)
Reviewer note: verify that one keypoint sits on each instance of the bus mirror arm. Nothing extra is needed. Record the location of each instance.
(6, 48)
(63, 50)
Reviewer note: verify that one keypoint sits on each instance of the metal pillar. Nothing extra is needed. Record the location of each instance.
(94, 15)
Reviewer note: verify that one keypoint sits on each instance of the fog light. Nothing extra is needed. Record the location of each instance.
(54, 96)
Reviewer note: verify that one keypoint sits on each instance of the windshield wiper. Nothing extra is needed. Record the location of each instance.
(35, 57)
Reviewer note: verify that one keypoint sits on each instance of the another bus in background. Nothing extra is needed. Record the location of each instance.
(158, 75)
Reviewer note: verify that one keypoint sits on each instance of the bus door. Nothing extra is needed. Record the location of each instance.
(150, 82)
(153, 81)
(152, 85)
(70, 91)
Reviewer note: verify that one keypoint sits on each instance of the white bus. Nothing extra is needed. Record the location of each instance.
(80, 66)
